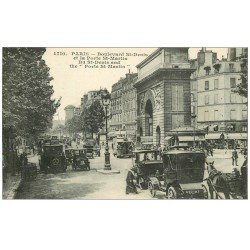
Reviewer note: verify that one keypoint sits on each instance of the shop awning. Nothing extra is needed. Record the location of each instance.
(213, 136)
(191, 138)
(236, 136)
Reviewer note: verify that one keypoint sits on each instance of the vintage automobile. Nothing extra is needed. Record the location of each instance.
(89, 150)
(122, 147)
(97, 150)
(80, 160)
(53, 159)
(182, 175)
(146, 164)
(69, 156)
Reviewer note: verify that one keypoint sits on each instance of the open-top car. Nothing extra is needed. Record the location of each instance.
(182, 175)
(53, 159)
(146, 164)
(80, 160)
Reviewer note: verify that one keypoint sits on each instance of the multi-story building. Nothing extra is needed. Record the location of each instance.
(129, 106)
(217, 106)
(163, 93)
(116, 106)
(123, 106)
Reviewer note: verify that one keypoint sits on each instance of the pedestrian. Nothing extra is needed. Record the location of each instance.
(131, 188)
(211, 150)
(234, 158)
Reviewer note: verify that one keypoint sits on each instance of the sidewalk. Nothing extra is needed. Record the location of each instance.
(10, 186)
(13, 182)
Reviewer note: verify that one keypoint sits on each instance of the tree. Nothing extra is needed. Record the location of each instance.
(93, 117)
(242, 87)
(74, 125)
(28, 107)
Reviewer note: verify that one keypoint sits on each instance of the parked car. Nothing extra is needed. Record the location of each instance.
(89, 151)
(80, 160)
(122, 147)
(182, 175)
(97, 150)
(53, 159)
(146, 163)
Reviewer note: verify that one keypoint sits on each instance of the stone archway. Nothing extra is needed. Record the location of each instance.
(149, 118)
(158, 135)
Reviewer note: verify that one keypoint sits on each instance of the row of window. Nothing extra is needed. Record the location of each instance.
(116, 94)
(129, 105)
(126, 117)
(214, 99)
(129, 94)
(217, 68)
(215, 115)
(209, 86)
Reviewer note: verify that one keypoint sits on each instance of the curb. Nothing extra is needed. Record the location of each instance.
(12, 192)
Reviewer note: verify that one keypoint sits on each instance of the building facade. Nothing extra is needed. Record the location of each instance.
(163, 93)
(129, 105)
(123, 106)
(217, 106)
(116, 121)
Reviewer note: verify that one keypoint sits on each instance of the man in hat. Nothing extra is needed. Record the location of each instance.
(234, 158)
(131, 188)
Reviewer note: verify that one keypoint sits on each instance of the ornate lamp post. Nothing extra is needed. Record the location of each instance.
(105, 101)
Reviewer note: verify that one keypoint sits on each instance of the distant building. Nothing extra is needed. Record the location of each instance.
(123, 106)
(69, 112)
(77, 111)
(129, 105)
(221, 111)
(116, 121)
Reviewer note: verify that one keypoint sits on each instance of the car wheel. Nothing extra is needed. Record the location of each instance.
(141, 183)
(205, 192)
(172, 194)
(151, 189)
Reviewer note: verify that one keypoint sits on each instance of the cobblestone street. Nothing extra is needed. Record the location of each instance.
(94, 185)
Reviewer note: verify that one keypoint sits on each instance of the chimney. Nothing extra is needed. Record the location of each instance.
(231, 56)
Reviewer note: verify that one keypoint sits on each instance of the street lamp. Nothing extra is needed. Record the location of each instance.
(105, 101)
(193, 116)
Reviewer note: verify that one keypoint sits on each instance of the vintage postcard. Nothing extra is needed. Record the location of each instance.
(124, 123)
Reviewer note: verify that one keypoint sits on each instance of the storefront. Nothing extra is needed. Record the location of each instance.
(227, 140)
(236, 140)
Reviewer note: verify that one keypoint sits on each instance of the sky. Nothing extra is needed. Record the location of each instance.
(71, 83)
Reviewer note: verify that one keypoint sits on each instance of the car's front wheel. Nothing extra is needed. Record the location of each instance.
(205, 192)
(172, 194)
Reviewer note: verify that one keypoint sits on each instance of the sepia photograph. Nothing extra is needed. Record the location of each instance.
(124, 123)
